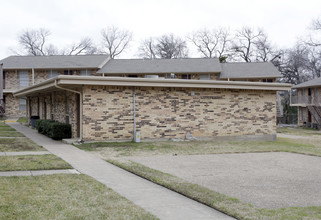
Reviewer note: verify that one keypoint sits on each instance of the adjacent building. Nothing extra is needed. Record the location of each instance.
(161, 99)
(308, 100)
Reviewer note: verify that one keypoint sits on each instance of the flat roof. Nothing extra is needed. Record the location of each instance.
(55, 62)
(77, 81)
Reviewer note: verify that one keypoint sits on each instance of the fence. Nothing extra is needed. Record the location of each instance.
(288, 119)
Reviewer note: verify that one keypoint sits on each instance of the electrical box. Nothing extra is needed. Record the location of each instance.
(137, 137)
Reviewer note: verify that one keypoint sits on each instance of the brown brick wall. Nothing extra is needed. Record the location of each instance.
(12, 83)
(59, 109)
(170, 113)
(12, 106)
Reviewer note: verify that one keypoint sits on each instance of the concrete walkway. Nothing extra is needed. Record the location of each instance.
(38, 172)
(156, 199)
(23, 153)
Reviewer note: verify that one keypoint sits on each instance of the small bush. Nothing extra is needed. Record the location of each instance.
(38, 124)
(58, 131)
(42, 125)
(53, 129)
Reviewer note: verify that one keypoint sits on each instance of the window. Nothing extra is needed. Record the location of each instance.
(268, 80)
(22, 104)
(67, 72)
(53, 73)
(23, 79)
(205, 77)
(133, 76)
(186, 76)
(84, 73)
(170, 76)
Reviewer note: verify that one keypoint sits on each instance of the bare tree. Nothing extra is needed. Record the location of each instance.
(85, 46)
(212, 43)
(34, 42)
(294, 65)
(265, 51)
(147, 49)
(244, 44)
(115, 40)
(170, 46)
(165, 47)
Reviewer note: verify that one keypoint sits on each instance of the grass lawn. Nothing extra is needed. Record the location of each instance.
(10, 134)
(65, 196)
(6, 128)
(116, 150)
(18, 144)
(32, 162)
(308, 143)
(22, 120)
(298, 131)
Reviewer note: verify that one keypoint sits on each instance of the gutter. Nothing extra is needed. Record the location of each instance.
(80, 107)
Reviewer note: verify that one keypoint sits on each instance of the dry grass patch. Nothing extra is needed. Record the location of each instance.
(18, 144)
(63, 196)
(118, 150)
(300, 131)
(32, 162)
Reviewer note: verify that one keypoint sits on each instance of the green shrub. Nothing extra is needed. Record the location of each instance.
(53, 129)
(42, 125)
(37, 123)
(58, 131)
(46, 126)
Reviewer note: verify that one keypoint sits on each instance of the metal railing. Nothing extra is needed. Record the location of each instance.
(305, 100)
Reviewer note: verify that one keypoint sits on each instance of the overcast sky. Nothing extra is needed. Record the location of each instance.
(71, 20)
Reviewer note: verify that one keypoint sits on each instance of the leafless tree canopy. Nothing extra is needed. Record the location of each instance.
(170, 46)
(165, 47)
(115, 40)
(147, 49)
(85, 46)
(212, 43)
(244, 43)
(294, 65)
(34, 42)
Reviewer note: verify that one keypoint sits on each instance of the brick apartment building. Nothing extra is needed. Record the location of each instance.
(110, 100)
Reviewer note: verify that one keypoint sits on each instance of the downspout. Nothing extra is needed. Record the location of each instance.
(80, 106)
(33, 76)
(134, 114)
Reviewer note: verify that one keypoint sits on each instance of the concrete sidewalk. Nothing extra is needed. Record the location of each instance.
(38, 172)
(24, 153)
(156, 199)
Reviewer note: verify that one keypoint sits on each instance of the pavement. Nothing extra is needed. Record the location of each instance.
(265, 180)
(22, 153)
(38, 172)
(162, 202)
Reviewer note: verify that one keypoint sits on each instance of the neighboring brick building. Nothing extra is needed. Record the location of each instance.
(154, 97)
(308, 101)
(23, 71)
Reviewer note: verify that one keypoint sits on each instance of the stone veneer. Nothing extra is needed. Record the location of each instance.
(12, 84)
(165, 113)
(42, 107)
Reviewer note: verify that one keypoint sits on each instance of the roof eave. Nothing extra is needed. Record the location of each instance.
(148, 82)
